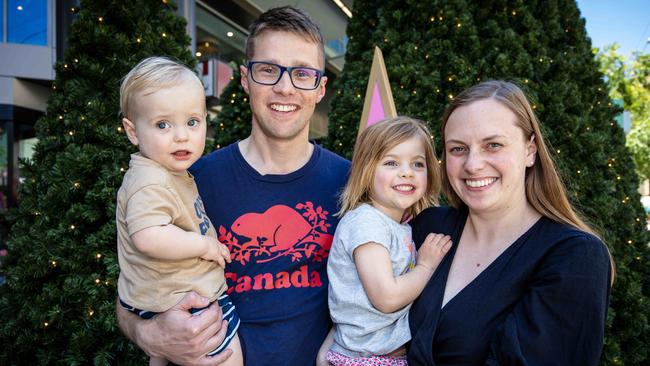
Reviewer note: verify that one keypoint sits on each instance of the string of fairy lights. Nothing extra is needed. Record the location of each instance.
(53, 263)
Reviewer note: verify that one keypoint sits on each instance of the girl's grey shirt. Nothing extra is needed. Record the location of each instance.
(362, 330)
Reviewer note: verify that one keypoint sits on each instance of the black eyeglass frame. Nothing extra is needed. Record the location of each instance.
(319, 73)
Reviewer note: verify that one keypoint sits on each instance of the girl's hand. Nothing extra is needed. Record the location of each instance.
(433, 250)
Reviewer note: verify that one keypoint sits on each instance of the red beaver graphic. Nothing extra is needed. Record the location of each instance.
(280, 224)
(280, 231)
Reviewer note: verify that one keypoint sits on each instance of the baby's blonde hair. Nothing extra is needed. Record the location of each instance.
(152, 72)
(373, 143)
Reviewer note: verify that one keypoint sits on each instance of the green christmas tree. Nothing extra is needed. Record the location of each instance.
(233, 122)
(58, 306)
(434, 49)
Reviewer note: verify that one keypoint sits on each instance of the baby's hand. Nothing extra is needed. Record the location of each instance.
(217, 252)
(433, 249)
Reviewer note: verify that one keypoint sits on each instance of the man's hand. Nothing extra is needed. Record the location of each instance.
(177, 335)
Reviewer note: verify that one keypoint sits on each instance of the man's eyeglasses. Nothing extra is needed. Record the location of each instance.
(266, 73)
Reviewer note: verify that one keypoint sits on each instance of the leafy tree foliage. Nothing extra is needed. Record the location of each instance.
(233, 122)
(629, 80)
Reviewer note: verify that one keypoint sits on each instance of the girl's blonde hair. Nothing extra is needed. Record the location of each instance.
(544, 188)
(372, 145)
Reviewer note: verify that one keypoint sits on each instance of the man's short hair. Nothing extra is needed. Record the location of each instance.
(287, 19)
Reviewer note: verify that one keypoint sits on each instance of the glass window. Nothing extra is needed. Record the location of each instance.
(27, 22)
(2, 21)
(218, 42)
(216, 38)
(4, 182)
(26, 148)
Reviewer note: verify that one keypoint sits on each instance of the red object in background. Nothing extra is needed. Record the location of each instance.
(216, 75)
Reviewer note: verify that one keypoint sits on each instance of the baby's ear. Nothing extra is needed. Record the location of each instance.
(129, 127)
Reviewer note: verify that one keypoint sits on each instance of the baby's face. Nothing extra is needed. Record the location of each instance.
(170, 124)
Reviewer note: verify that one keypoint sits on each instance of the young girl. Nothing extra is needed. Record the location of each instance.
(373, 268)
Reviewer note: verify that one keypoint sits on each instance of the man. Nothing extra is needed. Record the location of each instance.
(272, 198)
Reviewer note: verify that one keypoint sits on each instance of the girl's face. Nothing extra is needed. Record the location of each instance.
(486, 156)
(400, 178)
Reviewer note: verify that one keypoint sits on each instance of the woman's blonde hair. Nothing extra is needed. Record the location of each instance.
(544, 188)
(372, 145)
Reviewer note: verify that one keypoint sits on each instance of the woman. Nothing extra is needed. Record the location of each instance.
(527, 281)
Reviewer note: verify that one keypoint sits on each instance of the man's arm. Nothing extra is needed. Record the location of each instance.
(176, 334)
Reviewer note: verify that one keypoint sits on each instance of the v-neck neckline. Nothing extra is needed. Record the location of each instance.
(488, 268)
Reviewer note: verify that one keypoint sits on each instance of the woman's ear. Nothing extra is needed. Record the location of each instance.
(531, 151)
(129, 127)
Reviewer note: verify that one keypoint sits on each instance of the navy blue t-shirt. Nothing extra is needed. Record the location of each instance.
(279, 229)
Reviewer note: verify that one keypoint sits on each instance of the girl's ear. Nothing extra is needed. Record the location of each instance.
(129, 127)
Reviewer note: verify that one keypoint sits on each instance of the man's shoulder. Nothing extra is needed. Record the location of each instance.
(219, 156)
(332, 156)
(332, 165)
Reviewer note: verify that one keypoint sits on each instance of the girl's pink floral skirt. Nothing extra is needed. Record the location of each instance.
(337, 359)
